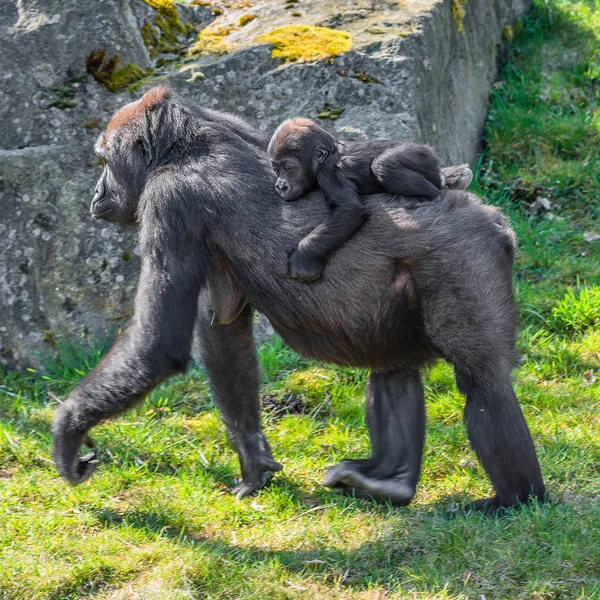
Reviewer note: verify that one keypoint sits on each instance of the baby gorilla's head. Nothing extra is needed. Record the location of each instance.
(297, 150)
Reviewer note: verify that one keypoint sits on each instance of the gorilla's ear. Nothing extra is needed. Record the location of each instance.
(146, 150)
(321, 153)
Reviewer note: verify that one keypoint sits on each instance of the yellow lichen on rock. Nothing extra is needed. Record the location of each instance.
(166, 8)
(459, 12)
(306, 42)
(165, 33)
(245, 19)
(210, 41)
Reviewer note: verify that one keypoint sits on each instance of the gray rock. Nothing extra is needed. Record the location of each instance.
(44, 46)
(60, 274)
(410, 74)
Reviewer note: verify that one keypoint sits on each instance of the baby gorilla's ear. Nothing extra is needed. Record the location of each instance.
(321, 153)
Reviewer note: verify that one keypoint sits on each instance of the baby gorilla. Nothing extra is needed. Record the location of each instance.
(305, 156)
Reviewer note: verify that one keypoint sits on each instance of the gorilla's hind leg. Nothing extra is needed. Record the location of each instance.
(396, 422)
(500, 437)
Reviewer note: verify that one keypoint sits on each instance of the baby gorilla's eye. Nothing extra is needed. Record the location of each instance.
(288, 169)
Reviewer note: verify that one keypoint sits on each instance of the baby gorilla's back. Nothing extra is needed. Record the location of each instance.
(401, 168)
(305, 156)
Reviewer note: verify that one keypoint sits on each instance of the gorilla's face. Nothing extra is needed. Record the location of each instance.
(293, 177)
(298, 149)
(117, 193)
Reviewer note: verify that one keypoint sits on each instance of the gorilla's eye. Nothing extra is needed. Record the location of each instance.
(288, 169)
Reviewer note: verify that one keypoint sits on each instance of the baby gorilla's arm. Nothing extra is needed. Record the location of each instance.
(349, 213)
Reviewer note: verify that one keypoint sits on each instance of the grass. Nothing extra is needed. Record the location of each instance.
(157, 521)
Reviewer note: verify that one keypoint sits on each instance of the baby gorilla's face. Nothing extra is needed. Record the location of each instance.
(293, 178)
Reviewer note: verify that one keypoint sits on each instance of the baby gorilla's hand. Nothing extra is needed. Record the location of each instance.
(305, 267)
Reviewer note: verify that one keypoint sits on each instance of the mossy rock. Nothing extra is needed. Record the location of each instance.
(104, 70)
(165, 34)
(306, 42)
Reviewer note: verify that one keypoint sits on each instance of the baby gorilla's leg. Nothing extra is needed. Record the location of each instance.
(409, 170)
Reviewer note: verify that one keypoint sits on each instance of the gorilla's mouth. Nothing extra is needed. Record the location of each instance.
(100, 214)
(288, 196)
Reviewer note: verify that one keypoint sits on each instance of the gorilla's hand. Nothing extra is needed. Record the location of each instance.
(305, 267)
(67, 441)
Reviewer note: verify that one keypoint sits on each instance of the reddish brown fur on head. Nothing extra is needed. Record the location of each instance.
(297, 150)
(134, 110)
(291, 136)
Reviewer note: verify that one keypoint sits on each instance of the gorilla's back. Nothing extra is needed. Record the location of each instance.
(367, 309)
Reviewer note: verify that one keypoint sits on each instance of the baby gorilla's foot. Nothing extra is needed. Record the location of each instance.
(305, 267)
(457, 177)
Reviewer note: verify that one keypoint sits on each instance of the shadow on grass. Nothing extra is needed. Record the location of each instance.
(378, 563)
(317, 560)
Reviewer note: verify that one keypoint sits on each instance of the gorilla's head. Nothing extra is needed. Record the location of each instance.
(298, 151)
(127, 151)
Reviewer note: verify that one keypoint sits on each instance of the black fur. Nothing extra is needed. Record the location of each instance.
(418, 282)
(305, 156)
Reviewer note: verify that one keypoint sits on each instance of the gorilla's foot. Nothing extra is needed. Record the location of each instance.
(358, 478)
(494, 507)
(256, 461)
(457, 177)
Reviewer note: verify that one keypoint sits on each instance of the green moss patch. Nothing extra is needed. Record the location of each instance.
(165, 33)
(329, 111)
(62, 96)
(104, 70)
(306, 42)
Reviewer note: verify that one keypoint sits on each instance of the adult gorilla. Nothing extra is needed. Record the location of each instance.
(418, 281)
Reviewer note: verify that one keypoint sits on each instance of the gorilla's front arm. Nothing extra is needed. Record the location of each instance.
(154, 346)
